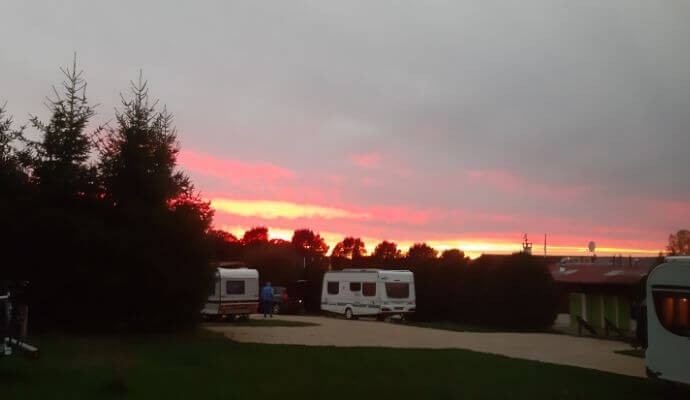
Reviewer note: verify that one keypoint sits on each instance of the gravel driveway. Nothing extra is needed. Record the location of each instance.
(557, 349)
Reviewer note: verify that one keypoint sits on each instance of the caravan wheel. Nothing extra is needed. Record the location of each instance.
(348, 313)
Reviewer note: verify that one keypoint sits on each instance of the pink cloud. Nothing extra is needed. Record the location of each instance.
(509, 182)
(232, 170)
(398, 215)
(367, 160)
(677, 210)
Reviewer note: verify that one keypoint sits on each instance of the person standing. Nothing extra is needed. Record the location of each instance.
(267, 299)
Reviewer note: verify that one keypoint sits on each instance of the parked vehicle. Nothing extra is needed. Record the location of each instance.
(235, 292)
(668, 321)
(368, 292)
(289, 300)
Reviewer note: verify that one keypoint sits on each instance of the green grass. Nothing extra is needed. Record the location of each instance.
(208, 366)
(263, 322)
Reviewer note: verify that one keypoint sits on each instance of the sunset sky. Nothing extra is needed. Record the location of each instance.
(459, 123)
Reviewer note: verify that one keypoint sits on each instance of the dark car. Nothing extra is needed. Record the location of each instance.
(290, 299)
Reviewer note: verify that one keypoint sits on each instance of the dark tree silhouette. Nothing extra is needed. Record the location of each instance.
(14, 155)
(167, 251)
(306, 241)
(351, 248)
(386, 251)
(62, 154)
(255, 235)
(138, 157)
(226, 247)
(16, 199)
(519, 292)
(679, 243)
(10, 155)
(223, 235)
(421, 251)
(453, 256)
(311, 249)
(276, 262)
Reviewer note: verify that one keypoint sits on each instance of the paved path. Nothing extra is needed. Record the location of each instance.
(557, 349)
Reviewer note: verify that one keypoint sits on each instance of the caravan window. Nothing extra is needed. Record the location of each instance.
(333, 287)
(355, 286)
(234, 287)
(671, 305)
(369, 289)
(397, 290)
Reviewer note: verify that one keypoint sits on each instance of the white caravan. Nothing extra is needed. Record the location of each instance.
(668, 317)
(368, 292)
(235, 292)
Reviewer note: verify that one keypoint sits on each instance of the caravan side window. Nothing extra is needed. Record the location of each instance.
(333, 287)
(234, 287)
(355, 286)
(672, 309)
(369, 289)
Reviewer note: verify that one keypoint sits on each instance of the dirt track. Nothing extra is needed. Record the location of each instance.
(558, 349)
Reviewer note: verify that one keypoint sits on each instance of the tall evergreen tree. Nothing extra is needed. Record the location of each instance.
(64, 149)
(15, 196)
(138, 157)
(164, 263)
(13, 159)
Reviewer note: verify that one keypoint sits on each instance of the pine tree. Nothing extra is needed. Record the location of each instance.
(138, 157)
(11, 157)
(61, 166)
(164, 261)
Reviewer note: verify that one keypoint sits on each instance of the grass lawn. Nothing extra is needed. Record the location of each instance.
(208, 366)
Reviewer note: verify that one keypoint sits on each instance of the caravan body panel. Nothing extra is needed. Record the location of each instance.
(235, 292)
(668, 325)
(368, 292)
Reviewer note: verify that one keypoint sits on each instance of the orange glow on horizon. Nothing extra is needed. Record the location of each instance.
(473, 248)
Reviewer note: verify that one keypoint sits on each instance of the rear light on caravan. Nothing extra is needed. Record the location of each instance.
(384, 309)
(285, 297)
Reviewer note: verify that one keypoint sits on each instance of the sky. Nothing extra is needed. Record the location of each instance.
(457, 123)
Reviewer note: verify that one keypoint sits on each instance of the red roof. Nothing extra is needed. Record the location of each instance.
(598, 274)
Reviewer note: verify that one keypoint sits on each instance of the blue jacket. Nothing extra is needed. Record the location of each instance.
(266, 293)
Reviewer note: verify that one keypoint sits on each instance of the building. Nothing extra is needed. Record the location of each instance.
(599, 291)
